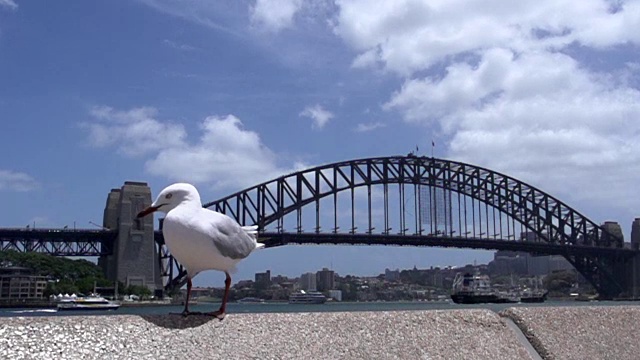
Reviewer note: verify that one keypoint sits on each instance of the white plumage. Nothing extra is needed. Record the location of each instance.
(201, 239)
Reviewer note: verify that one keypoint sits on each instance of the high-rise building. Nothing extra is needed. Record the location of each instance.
(391, 275)
(308, 282)
(325, 279)
(635, 234)
(263, 279)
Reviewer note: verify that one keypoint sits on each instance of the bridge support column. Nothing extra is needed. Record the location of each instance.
(134, 260)
(633, 277)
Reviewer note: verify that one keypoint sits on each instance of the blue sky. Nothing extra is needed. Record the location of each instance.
(229, 94)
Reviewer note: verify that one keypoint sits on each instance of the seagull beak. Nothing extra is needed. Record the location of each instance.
(147, 211)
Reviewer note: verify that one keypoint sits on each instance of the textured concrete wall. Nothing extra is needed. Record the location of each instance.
(134, 260)
(564, 332)
(110, 221)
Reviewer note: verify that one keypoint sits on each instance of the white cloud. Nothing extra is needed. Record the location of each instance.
(362, 127)
(9, 4)
(406, 36)
(319, 115)
(226, 155)
(274, 15)
(16, 181)
(510, 86)
(135, 132)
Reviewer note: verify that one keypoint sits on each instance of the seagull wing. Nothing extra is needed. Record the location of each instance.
(231, 239)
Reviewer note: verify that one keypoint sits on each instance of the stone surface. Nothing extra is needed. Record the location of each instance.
(585, 332)
(439, 334)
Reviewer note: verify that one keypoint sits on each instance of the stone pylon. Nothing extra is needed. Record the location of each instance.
(134, 260)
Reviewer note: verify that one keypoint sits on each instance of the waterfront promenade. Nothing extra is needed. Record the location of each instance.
(586, 332)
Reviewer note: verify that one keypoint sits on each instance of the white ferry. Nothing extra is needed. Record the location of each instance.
(91, 302)
(312, 297)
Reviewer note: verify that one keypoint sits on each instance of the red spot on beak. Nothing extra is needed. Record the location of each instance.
(147, 211)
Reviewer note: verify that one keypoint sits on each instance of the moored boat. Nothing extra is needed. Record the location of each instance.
(91, 302)
(476, 289)
(311, 297)
(533, 296)
(251, 300)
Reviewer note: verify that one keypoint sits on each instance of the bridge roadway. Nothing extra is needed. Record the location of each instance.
(91, 242)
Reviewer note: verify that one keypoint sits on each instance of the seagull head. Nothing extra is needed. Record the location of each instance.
(173, 196)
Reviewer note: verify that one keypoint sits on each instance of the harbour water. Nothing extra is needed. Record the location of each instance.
(237, 308)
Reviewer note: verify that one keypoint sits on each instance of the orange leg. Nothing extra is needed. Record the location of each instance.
(223, 307)
(186, 311)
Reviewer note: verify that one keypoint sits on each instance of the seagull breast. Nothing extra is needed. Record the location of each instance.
(201, 239)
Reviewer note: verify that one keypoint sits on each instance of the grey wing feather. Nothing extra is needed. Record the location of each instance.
(233, 241)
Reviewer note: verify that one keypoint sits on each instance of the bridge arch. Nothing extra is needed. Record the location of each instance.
(551, 220)
(557, 228)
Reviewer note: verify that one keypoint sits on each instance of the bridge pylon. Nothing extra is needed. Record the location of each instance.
(134, 257)
(633, 264)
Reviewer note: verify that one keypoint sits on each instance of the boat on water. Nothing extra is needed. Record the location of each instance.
(533, 296)
(311, 297)
(91, 302)
(476, 289)
(251, 300)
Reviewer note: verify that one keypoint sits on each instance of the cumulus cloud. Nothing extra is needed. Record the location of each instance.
(16, 181)
(8, 4)
(406, 36)
(134, 132)
(507, 87)
(274, 15)
(318, 115)
(226, 155)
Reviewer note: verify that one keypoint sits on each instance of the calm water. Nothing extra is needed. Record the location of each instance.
(235, 308)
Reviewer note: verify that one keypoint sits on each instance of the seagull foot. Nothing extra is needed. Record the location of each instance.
(187, 313)
(217, 314)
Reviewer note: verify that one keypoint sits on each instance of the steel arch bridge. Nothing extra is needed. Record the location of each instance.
(422, 201)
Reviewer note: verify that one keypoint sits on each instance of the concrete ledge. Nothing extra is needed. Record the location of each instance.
(452, 334)
(556, 333)
(581, 332)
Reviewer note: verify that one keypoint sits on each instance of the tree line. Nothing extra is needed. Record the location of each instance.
(65, 275)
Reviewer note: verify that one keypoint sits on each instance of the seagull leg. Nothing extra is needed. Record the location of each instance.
(186, 311)
(223, 307)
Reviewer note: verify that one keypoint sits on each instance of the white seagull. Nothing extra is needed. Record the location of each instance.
(201, 239)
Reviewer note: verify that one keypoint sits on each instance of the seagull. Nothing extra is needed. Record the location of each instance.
(201, 239)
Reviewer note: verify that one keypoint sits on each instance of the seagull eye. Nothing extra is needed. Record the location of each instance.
(168, 196)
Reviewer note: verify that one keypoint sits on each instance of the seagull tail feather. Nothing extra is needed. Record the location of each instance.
(253, 231)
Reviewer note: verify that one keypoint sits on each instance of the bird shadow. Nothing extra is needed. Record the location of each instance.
(178, 321)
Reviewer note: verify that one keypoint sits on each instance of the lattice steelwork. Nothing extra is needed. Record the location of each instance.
(486, 192)
(380, 201)
(480, 208)
(58, 242)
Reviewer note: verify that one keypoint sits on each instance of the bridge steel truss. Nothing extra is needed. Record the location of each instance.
(483, 209)
(59, 242)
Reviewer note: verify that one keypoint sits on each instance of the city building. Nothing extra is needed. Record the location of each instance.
(308, 282)
(325, 279)
(20, 283)
(263, 279)
(391, 275)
